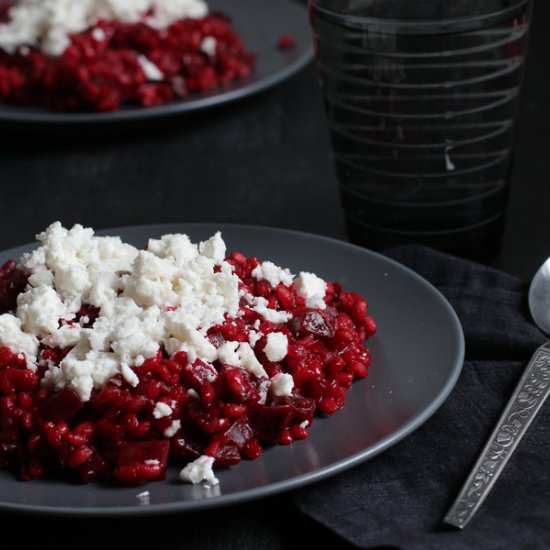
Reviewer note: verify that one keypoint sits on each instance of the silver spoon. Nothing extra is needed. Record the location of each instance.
(527, 399)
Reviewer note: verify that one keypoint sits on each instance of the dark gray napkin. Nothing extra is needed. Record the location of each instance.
(400, 497)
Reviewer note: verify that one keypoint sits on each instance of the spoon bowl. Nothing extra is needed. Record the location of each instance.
(539, 297)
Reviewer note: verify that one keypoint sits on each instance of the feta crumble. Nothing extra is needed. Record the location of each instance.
(161, 409)
(143, 498)
(276, 346)
(282, 384)
(249, 361)
(173, 429)
(273, 274)
(208, 46)
(312, 289)
(200, 470)
(259, 305)
(150, 70)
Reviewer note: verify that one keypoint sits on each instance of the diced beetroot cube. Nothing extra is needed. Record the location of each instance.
(237, 384)
(315, 322)
(144, 460)
(225, 454)
(206, 418)
(132, 452)
(313, 388)
(94, 468)
(196, 374)
(239, 432)
(186, 446)
(108, 432)
(271, 422)
(303, 408)
(62, 405)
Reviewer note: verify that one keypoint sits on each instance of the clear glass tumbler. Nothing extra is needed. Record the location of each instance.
(421, 98)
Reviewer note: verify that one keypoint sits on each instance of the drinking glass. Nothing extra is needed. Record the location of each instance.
(421, 99)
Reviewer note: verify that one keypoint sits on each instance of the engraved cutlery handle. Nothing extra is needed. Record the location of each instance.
(527, 399)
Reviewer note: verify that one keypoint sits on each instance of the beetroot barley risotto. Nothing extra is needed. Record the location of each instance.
(97, 55)
(116, 361)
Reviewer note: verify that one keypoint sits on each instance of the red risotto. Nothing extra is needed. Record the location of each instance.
(112, 63)
(115, 362)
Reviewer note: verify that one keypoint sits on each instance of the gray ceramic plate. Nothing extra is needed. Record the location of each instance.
(417, 357)
(260, 23)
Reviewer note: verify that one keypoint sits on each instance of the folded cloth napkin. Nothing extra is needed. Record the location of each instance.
(398, 498)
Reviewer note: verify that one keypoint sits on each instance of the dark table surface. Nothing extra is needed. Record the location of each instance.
(265, 160)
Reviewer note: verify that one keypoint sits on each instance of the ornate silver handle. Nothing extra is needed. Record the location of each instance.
(528, 397)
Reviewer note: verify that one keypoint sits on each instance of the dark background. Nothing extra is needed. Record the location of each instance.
(265, 160)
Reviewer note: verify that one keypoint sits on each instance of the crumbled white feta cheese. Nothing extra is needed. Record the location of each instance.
(200, 470)
(253, 337)
(191, 337)
(172, 430)
(162, 409)
(214, 248)
(282, 384)
(276, 346)
(70, 281)
(47, 24)
(241, 354)
(312, 289)
(65, 336)
(176, 247)
(273, 274)
(143, 498)
(151, 281)
(150, 70)
(227, 353)
(249, 361)
(41, 277)
(208, 46)
(259, 305)
(130, 331)
(39, 310)
(104, 288)
(74, 262)
(129, 375)
(98, 34)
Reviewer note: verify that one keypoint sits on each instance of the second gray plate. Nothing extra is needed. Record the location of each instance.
(417, 357)
(260, 23)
